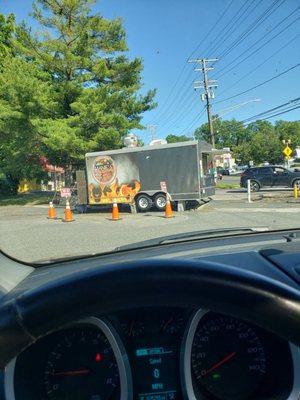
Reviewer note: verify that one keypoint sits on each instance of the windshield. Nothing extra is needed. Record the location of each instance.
(126, 121)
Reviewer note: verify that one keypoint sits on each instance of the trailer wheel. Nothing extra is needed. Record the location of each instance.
(160, 201)
(143, 202)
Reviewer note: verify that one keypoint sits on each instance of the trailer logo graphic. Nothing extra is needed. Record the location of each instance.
(104, 170)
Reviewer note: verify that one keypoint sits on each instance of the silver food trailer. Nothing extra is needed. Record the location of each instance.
(143, 175)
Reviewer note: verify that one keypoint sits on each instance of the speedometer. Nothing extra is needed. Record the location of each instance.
(227, 358)
(226, 351)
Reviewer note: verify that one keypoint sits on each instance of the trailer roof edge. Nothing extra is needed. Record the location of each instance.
(206, 146)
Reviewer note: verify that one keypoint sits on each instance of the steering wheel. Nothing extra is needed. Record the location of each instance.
(32, 312)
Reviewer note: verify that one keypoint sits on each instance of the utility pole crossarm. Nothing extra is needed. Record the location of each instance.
(200, 60)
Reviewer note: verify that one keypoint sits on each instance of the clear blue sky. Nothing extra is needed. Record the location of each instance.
(165, 33)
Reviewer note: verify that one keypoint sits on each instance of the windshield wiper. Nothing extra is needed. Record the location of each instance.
(203, 234)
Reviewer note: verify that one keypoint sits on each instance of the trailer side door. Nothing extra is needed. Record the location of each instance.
(207, 174)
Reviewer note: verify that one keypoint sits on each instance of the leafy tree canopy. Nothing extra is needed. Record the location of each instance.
(228, 133)
(7, 29)
(259, 141)
(175, 138)
(69, 88)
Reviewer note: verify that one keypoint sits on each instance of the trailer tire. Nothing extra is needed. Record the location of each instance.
(143, 202)
(160, 201)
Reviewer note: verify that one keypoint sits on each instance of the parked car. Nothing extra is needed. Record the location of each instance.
(229, 171)
(272, 175)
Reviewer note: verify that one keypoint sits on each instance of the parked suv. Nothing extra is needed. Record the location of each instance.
(271, 175)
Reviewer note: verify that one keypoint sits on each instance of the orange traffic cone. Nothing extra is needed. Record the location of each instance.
(68, 213)
(51, 211)
(168, 209)
(115, 212)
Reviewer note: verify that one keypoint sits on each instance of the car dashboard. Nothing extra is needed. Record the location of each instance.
(156, 353)
(162, 352)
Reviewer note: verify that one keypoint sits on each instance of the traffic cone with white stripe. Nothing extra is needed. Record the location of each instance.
(51, 211)
(68, 213)
(168, 209)
(115, 211)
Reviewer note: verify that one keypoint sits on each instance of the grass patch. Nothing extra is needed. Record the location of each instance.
(25, 199)
(221, 185)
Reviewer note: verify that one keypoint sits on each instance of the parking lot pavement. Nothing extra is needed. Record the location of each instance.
(231, 179)
(27, 234)
(240, 194)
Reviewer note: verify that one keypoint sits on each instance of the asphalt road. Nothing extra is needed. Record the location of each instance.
(232, 179)
(27, 234)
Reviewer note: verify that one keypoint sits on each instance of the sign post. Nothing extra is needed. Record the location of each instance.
(249, 190)
(287, 151)
(65, 192)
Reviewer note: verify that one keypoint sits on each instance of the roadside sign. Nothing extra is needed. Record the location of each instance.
(287, 151)
(163, 186)
(65, 192)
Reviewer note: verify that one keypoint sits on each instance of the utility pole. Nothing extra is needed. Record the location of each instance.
(208, 85)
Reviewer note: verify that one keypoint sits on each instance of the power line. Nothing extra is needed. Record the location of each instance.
(171, 111)
(191, 54)
(260, 84)
(289, 103)
(179, 116)
(166, 111)
(211, 29)
(262, 18)
(274, 115)
(262, 63)
(259, 48)
(194, 121)
(183, 95)
(163, 111)
(224, 31)
(268, 10)
(236, 25)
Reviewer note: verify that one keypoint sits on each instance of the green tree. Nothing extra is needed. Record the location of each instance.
(228, 133)
(25, 91)
(289, 130)
(7, 29)
(177, 138)
(95, 86)
(264, 145)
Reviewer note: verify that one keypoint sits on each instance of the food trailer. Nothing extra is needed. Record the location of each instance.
(142, 176)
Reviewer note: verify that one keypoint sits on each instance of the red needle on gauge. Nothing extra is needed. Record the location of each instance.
(77, 372)
(221, 362)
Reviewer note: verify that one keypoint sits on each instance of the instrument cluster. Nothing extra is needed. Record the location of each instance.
(156, 354)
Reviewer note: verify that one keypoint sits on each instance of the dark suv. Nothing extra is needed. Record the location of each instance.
(271, 175)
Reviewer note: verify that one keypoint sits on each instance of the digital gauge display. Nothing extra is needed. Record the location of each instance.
(156, 370)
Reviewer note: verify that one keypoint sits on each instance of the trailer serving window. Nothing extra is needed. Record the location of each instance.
(207, 164)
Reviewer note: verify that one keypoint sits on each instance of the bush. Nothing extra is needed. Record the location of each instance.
(6, 187)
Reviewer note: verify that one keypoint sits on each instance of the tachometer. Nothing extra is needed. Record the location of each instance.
(85, 361)
(227, 357)
(82, 365)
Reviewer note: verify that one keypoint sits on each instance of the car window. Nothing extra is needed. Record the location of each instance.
(264, 171)
(279, 170)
